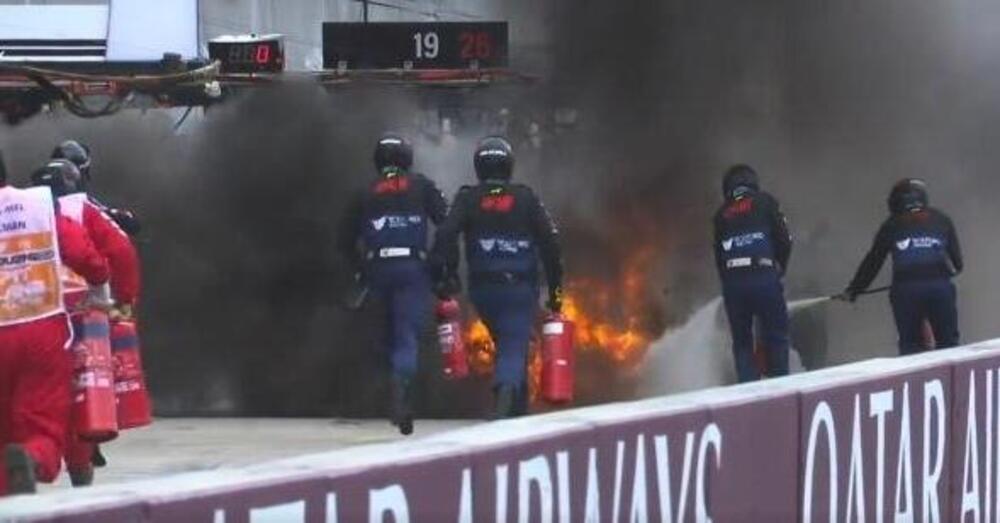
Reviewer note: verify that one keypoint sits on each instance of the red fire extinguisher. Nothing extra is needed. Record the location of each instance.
(134, 409)
(94, 411)
(558, 359)
(454, 360)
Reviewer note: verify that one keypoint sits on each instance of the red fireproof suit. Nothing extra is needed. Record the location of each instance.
(35, 371)
(123, 260)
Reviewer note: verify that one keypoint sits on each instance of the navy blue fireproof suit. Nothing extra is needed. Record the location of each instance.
(925, 255)
(506, 230)
(752, 248)
(391, 220)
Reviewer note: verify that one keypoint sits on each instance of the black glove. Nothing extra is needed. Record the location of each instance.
(126, 219)
(555, 302)
(849, 295)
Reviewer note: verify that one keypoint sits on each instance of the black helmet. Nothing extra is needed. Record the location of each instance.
(393, 151)
(494, 159)
(77, 153)
(60, 175)
(739, 180)
(907, 195)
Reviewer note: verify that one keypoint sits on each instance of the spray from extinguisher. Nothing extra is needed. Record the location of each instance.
(558, 359)
(454, 360)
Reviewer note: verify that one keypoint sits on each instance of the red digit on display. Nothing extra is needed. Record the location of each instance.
(484, 46)
(468, 41)
(263, 55)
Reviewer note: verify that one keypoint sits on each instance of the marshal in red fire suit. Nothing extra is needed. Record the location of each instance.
(35, 373)
(116, 247)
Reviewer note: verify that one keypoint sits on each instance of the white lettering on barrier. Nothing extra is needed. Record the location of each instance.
(879, 404)
(501, 477)
(640, 509)
(988, 488)
(822, 417)
(995, 441)
(904, 466)
(465, 499)
(535, 475)
(856, 473)
(980, 487)
(390, 500)
(660, 444)
(711, 438)
(562, 475)
(979, 472)
(331, 508)
(283, 513)
(619, 459)
(534, 471)
(970, 468)
(592, 512)
(933, 403)
(685, 476)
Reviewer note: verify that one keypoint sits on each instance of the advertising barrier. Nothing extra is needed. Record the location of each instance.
(905, 439)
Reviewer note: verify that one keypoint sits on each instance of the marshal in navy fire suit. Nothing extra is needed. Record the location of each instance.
(506, 231)
(752, 249)
(925, 255)
(392, 220)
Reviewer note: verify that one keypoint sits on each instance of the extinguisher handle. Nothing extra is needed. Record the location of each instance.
(555, 302)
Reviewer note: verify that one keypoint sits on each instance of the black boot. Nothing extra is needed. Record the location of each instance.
(82, 478)
(506, 401)
(521, 401)
(20, 470)
(98, 460)
(402, 408)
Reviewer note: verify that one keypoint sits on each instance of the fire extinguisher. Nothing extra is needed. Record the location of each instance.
(454, 360)
(558, 359)
(94, 410)
(134, 409)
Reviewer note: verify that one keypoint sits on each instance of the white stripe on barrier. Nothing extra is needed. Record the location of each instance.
(471, 440)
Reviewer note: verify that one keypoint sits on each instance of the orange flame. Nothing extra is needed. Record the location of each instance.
(482, 351)
(608, 316)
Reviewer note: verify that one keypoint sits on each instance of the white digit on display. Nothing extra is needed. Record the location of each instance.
(431, 43)
(427, 45)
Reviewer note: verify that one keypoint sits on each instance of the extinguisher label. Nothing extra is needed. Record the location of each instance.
(128, 386)
(446, 329)
(553, 328)
(86, 379)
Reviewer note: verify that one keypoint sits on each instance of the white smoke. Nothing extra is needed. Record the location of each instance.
(698, 354)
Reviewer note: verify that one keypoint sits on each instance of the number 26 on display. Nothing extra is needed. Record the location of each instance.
(476, 45)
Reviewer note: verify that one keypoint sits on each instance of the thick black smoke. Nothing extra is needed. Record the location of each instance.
(242, 310)
(830, 101)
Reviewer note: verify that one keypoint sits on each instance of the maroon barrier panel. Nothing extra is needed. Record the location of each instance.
(875, 450)
(895, 444)
(975, 472)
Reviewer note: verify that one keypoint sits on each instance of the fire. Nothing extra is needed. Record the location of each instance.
(482, 350)
(611, 319)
